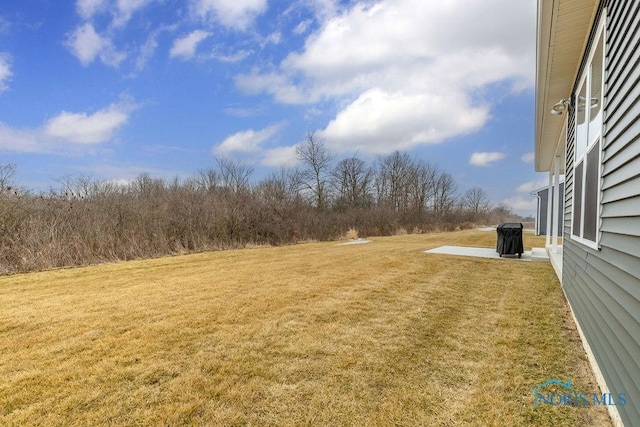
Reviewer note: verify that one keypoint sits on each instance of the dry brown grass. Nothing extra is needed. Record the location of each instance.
(314, 334)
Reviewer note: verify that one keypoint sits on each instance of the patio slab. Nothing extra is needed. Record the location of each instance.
(536, 254)
(358, 241)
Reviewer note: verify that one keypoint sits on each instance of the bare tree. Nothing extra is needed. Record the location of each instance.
(280, 187)
(394, 174)
(207, 180)
(421, 185)
(316, 161)
(82, 186)
(444, 193)
(84, 221)
(7, 174)
(235, 175)
(146, 187)
(476, 201)
(352, 180)
(501, 213)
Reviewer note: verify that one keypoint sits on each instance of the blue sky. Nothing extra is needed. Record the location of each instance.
(114, 88)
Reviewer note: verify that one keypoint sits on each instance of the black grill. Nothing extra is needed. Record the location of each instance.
(510, 239)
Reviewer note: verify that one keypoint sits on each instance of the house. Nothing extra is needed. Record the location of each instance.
(546, 206)
(588, 128)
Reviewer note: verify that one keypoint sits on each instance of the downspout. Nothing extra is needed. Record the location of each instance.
(549, 210)
(556, 201)
(537, 196)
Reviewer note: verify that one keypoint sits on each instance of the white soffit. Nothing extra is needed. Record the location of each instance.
(563, 31)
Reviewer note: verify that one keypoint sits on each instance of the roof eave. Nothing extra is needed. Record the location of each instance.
(562, 33)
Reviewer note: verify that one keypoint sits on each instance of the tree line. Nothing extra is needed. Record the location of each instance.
(84, 221)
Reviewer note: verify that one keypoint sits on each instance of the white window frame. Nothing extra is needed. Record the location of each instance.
(591, 142)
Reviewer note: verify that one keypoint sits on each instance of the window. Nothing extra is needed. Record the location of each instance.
(589, 100)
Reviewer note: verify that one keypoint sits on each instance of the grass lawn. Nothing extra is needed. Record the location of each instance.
(312, 334)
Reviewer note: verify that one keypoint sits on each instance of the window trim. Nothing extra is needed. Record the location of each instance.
(591, 142)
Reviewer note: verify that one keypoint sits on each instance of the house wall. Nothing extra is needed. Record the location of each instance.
(541, 219)
(603, 286)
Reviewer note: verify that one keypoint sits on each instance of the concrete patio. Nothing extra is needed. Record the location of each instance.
(536, 254)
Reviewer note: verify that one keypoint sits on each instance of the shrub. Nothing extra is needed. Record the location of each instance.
(351, 234)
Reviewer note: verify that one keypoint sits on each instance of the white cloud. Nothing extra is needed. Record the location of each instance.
(530, 186)
(17, 140)
(126, 9)
(237, 14)
(378, 57)
(86, 45)
(88, 8)
(280, 156)
(146, 51)
(185, 47)
(83, 128)
(68, 132)
(232, 58)
(276, 84)
(324, 9)
(302, 27)
(251, 144)
(5, 71)
(248, 141)
(485, 159)
(528, 157)
(521, 203)
(122, 10)
(378, 119)
(274, 38)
